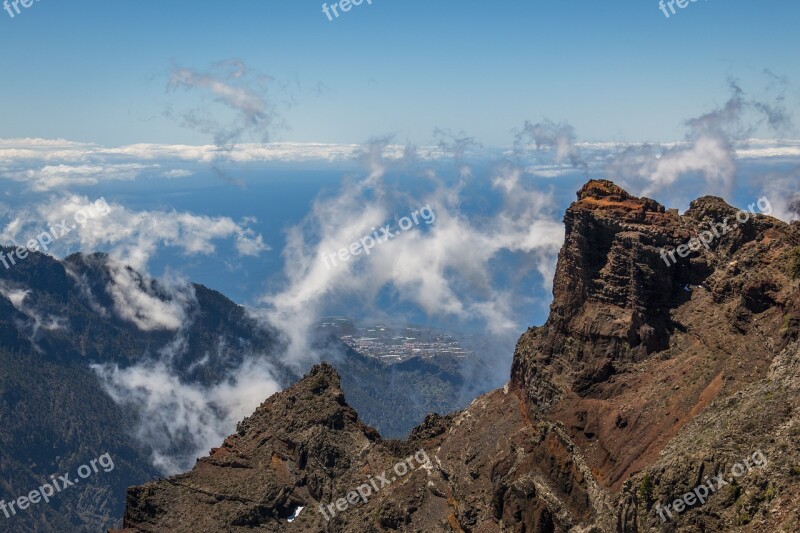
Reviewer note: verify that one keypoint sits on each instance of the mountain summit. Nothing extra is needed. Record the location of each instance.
(97, 358)
(650, 377)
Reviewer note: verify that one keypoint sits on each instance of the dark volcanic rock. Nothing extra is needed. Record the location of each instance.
(297, 446)
(612, 293)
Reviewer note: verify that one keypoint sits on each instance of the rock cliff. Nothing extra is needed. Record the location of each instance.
(649, 376)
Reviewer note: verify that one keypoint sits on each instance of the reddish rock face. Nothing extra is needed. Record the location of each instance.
(612, 293)
(645, 378)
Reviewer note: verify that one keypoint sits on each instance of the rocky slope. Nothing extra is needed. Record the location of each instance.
(647, 380)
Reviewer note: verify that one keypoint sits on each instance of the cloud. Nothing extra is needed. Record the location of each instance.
(558, 139)
(57, 165)
(59, 176)
(709, 150)
(30, 152)
(149, 304)
(652, 168)
(177, 173)
(36, 320)
(131, 237)
(232, 85)
(767, 149)
(182, 421)
(458, 146)
(782, 188)
(15, 296)
(249, 243)
(449, 269)
(81, 281)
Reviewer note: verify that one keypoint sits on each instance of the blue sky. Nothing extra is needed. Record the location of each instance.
(254, 220)
(97, 71)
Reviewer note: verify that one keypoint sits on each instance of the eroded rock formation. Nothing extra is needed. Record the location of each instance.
(646, 378)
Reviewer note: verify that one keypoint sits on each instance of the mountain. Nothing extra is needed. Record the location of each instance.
(61, 319)
(659, 395)
(392, 394)
(57, 318)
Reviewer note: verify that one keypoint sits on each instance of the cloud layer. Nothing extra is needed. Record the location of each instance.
(710, 148)
(182, 421)
(453, 269)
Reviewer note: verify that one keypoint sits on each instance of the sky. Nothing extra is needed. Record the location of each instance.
(237, 144)
(98, 72)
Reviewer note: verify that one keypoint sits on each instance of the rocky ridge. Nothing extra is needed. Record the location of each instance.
(645, 379)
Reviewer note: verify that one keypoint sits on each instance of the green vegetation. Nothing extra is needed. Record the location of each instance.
(318, 384)
(72, 424)
(743, 519)
(428, 387)
(796, 470)
(646, 488)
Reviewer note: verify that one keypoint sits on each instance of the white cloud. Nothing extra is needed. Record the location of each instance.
(177, 173)
(36, 319)
(238, 90)
(58, 164)
(445, 269)
(132, 238)
(710, 156)
(710, 149)
(59, 176)
(175, 416)
(15, 296)
(150, 305)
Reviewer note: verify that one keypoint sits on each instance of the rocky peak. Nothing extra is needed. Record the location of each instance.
(298, 446)
(612, 291)
(616, 288)
(605, 195)
(619, 307)
(608, 410)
